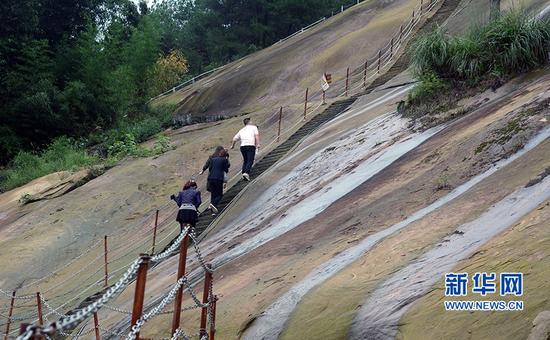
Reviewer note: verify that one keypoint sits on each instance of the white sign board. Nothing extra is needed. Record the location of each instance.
(324, 83)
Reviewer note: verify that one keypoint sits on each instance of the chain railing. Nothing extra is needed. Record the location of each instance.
(137, 270)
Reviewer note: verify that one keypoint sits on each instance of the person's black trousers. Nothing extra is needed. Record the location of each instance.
(248, 151)
(216, 191)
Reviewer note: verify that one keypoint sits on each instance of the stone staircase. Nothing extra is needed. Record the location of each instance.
(333, 110)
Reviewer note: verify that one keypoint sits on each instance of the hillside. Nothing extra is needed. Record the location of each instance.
(279, 75)
(350, 234)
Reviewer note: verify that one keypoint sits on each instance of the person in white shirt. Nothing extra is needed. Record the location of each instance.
(250, 144)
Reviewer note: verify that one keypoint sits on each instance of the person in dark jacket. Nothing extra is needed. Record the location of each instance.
(219, 166)
(188, 201)
(216, 153)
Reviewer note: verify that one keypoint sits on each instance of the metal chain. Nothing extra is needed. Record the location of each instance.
(193, 237)
(156, 310)
(172, 248)
(22, 297)
(52, 310)
(20, 317)
(120, 335)
(80, 315)
(55, 272)
(179, 334)
(184, 309)
(116, 309)
(68, 321)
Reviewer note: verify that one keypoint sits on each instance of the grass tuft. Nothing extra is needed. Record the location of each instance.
(514, 42)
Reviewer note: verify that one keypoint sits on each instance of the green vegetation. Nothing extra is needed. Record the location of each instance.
(506, 133)
(512, 43)
(442, 182)
(83, 70)
(101, 150)
(79, 68)
(211, 32)
(67, 154)
(62, 154)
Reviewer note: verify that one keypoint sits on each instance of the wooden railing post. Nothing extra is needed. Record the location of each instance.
(106, 261)
(421, 6)
(213, 321)
(280, 119)
(10, 313)
(347, 81)
(155, 232)
(379, 60)
(400, 34)
(39, 307)
(305, 103)
(391, 48)
(141, 279)
(96, 327)
(181, 272)
(205, 298)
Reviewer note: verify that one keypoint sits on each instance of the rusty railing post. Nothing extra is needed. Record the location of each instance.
(391, 49)
(379, 60)
(213, 321)
(155, 232)
(141, 279)
(105, 260)
(365, 73)
(305, 103)
(10, 313)
(96, 327)
(39, 306)
(400, 34)
(412, 20)
(181, 272)
(347, 81)
(280, 119)
(205, 298)
(421, 6)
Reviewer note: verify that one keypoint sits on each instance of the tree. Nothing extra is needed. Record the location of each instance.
(167, 72)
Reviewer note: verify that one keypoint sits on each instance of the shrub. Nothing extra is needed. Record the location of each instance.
(512, 43)
(432, 53)
(517, 42)
(468, 60)
(162, 145)
(430, 85)
(61, 154)
(124, 147)
(145, 128)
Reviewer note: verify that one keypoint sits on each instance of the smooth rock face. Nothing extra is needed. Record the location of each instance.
(541, 327)
(46, 187)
